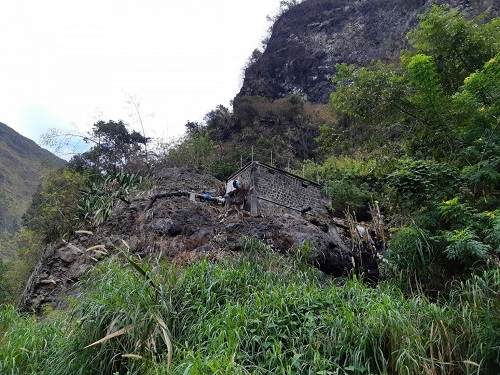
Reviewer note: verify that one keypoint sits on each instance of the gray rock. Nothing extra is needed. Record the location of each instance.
(173, 226)
(309, 39)
(204, 249)
(68, 253)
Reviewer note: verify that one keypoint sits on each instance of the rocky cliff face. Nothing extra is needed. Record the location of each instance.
(309, 39)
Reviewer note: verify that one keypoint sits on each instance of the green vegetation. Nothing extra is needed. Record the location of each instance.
(259, 313)
(114, 148)
(422, 139)
(96, 203)
(225, 138)
(22, 163)
(80, 195)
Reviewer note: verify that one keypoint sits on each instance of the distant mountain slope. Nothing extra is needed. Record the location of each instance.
(22, 162)
(310, 38)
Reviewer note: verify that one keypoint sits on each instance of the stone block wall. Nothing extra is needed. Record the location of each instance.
(271, 188)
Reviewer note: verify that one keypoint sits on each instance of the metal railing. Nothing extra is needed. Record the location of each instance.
(273, 159)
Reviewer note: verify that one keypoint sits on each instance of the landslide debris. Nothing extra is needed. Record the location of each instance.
(164, 223)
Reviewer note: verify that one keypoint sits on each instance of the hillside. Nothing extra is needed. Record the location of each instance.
(170, 271)
(22, 162)
(163, 221)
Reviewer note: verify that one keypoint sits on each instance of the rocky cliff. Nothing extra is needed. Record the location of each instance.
(309, 39)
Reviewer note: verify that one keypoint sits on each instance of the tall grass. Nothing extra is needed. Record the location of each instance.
(259, 313)
(27, 346)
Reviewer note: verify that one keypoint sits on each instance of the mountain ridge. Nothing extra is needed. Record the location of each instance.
(22, 163)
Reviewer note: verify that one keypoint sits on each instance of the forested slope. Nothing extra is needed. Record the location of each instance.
(22, 163)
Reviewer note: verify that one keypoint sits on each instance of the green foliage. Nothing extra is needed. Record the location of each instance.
(123, 303)
(286, 127)
(194, 150)
(27, 345)
(4, 291)
(22, 163)
(463, 245)
(424, 105)
(493, 232)
(459, 46)
(455, 214)
(54, 209)
(368, 93)
(96, 203)
(219, 123)
(421, 138)
(352, 183)
(114, 148)
(224, 167)
(64, 203)
(478, 124)
(481, 291)
(412, 257)
(422, 183)
(437, 116)
(347, 195)
(28, 246)
(365, 99)
(260, 313)
(448, 242)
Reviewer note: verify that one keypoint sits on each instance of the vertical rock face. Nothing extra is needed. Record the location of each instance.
(309, 39)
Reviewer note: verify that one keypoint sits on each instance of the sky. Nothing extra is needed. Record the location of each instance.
(67, 64)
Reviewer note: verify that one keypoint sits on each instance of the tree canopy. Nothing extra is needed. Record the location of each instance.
(431, 129)
(114, 147)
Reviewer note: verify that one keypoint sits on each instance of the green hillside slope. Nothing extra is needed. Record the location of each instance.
(22, 162)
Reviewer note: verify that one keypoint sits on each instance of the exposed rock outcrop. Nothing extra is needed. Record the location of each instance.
(309, 39)
(179, 229)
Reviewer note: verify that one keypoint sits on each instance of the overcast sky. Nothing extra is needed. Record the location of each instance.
(68, 63)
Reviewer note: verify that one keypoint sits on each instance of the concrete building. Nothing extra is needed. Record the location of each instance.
(268, 188)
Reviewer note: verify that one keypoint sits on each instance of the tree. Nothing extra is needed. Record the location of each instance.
(195, 149)
(219, 123)
(369, 103)
(114, 147)
(53, 212)
(414, 103)
(439, 111)
(459, 46)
